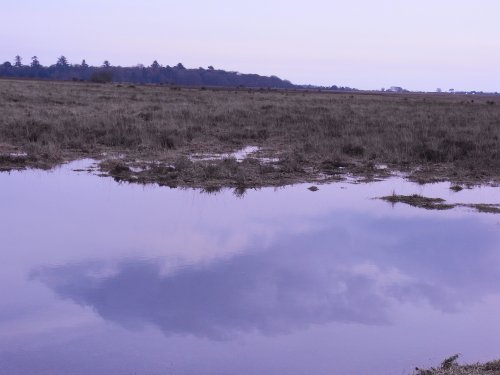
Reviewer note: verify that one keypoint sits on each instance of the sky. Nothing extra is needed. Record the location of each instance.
(367, 44)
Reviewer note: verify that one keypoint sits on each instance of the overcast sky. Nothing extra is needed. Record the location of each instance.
(368, 44)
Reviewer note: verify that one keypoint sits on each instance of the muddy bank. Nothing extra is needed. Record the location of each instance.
(260, 169)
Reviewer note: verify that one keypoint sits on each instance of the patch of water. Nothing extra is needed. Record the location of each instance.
(18, 154)
(240, 155)
(106, 278)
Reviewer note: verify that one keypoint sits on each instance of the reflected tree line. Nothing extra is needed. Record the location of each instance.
(154, 73)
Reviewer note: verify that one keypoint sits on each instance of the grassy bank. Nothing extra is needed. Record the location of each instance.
(305, 136)
(450, 367)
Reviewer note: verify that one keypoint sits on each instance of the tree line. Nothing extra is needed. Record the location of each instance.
(154, 73)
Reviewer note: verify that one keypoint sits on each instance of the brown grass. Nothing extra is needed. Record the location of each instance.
(450, 367)
(419, 201)
(312, 133)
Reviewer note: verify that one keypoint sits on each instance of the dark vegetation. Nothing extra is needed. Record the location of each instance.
(169, 75)
(450, 367)
(416, 200)
(419, 201)
(148, 133)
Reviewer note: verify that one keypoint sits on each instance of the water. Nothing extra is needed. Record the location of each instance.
(239, 155)
(104, 278)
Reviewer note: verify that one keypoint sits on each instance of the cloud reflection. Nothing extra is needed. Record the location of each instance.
(247, 293)
(311, 279)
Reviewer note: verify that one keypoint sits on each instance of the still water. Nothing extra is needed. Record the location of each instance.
(98, 277)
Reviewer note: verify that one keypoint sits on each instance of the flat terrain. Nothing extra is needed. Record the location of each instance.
(172, 136)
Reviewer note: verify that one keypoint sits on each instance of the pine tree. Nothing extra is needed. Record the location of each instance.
(35, 63)
(62, 62)
(18, 61)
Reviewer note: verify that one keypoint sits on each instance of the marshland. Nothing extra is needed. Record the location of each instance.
(249, 187)
(153, 133)
(368, 246)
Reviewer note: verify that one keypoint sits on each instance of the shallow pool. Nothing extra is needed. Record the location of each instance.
(98, 277)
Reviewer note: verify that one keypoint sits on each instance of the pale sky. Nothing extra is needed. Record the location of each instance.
(367, 44)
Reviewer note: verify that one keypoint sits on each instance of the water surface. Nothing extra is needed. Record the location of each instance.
(104, 278)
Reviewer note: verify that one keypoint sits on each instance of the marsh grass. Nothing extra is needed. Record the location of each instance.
(450, 367)
(445, 136)
(419, 201)
(487, 208)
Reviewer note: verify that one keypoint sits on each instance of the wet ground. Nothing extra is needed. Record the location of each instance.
(98, 277)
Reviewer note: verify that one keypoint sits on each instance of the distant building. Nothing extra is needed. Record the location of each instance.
(395, 89)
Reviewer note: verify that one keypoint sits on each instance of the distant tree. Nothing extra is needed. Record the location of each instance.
(18, 61)
(155, 65)
(439, 90)
(35, 63)
(452, 91)
(177, 75)
(62, 62)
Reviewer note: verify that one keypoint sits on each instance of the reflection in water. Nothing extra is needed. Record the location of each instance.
(244, 294)
(308, 279)
(128, 279)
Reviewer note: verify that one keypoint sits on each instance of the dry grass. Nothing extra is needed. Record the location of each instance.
(420, 201)
(312, 133)
(450, 367)
(487, 208)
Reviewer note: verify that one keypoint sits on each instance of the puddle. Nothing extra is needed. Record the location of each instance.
(105, 278)
(18, 154)
(240, 155)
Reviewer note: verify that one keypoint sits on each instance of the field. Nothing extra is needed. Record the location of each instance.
(172, 136)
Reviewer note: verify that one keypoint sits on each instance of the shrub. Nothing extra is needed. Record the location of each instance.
(103, 76)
